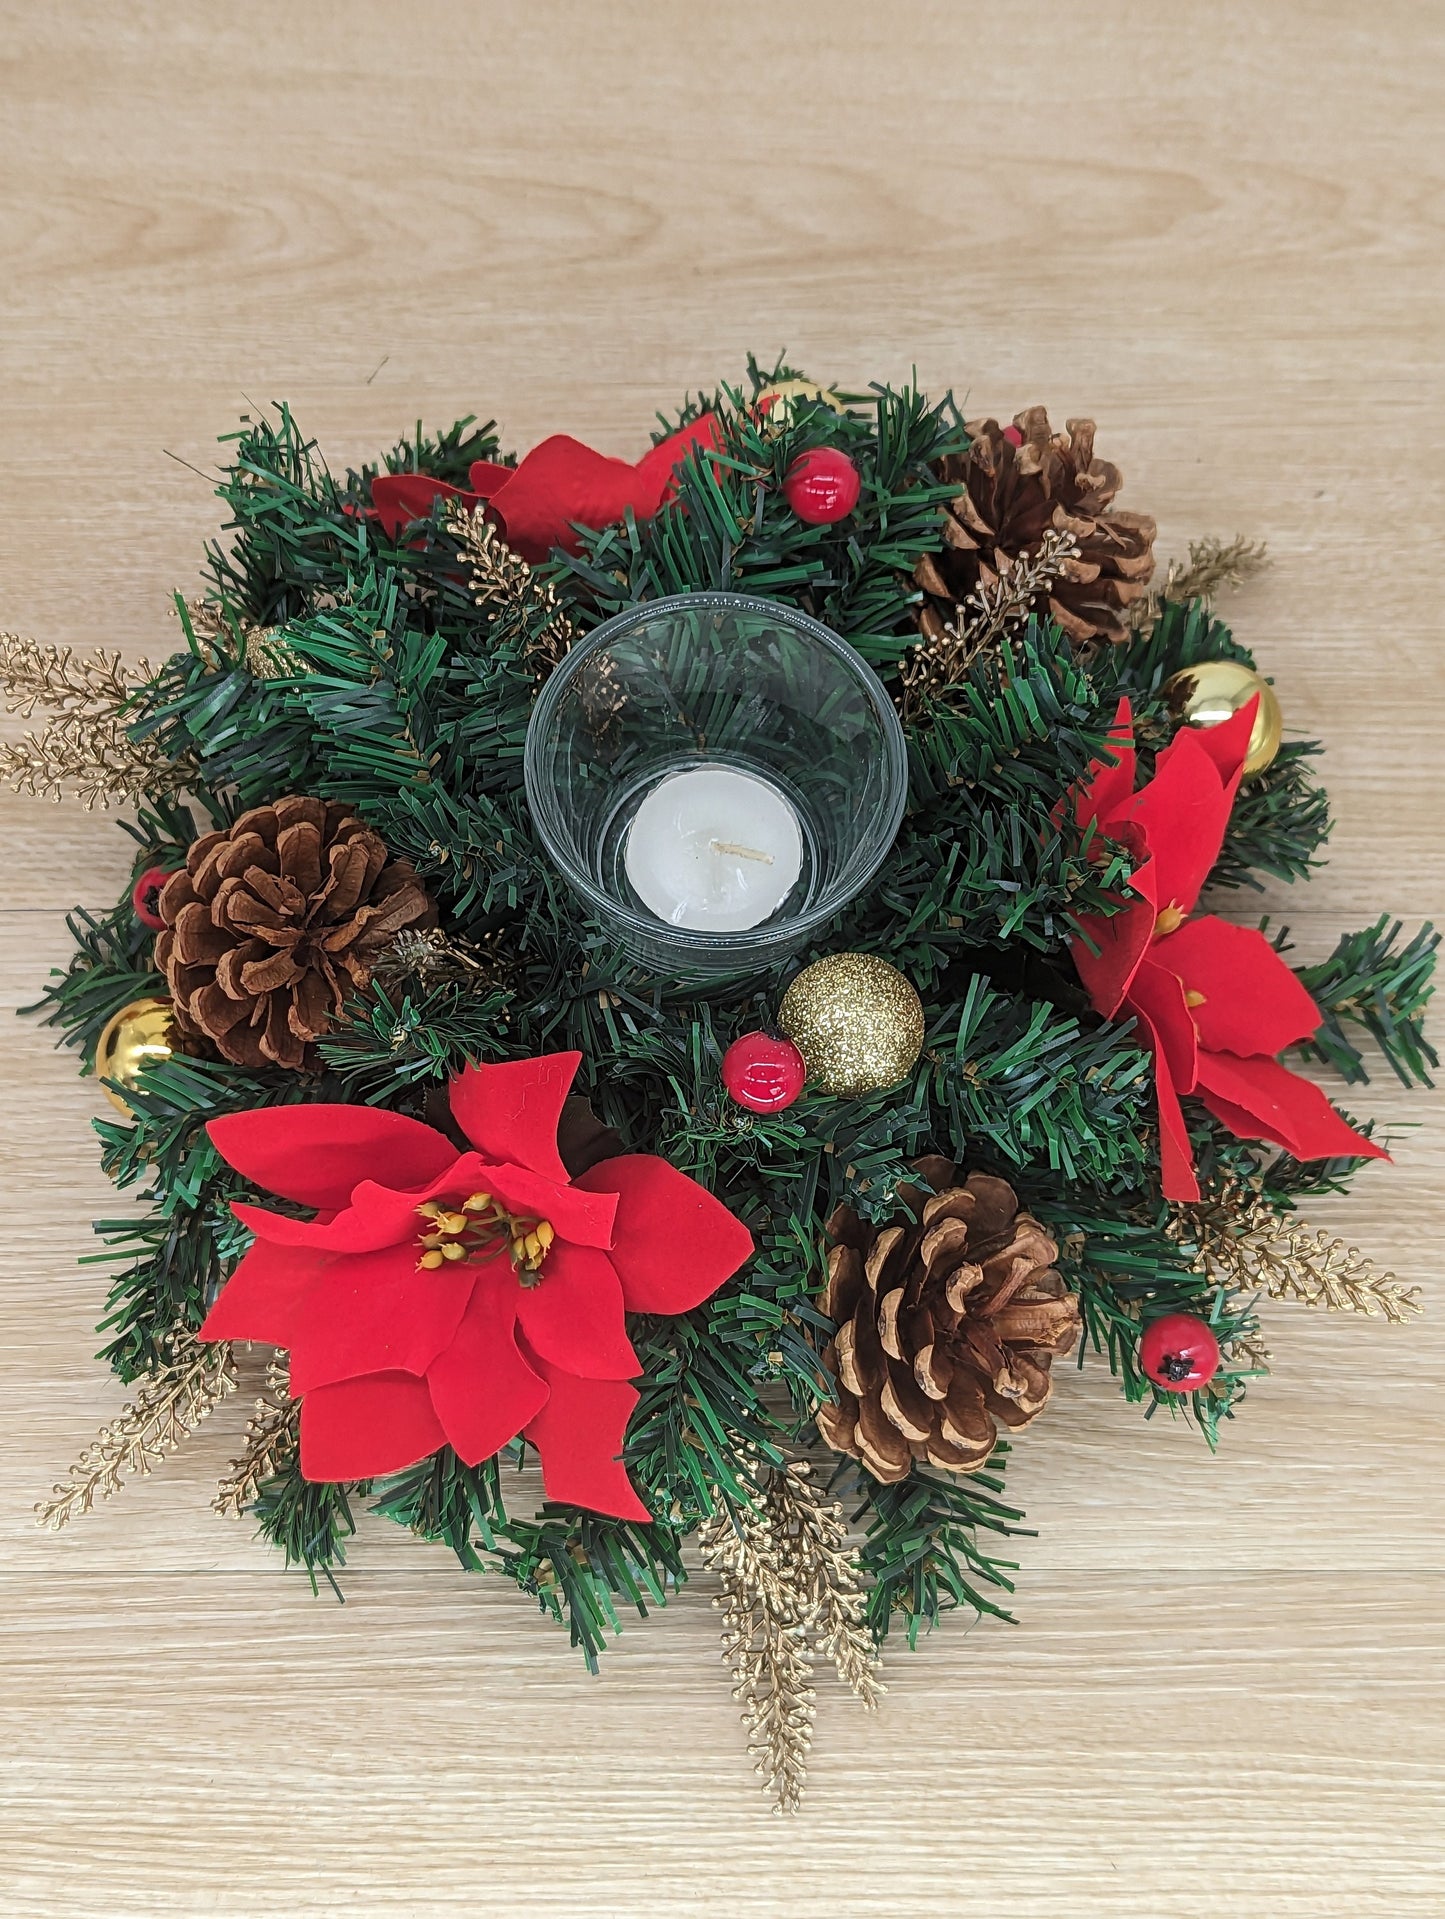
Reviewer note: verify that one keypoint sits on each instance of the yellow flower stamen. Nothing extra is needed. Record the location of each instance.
(1169, 920)
(431, 1259)
(1193, 999)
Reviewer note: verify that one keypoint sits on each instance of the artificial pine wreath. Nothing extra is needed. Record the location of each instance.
(766, 1249)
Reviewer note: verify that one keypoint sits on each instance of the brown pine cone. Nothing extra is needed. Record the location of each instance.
(1009, 496)
(271, 924)
(948, 1318)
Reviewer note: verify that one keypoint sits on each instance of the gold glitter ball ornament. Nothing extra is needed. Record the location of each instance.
(777, 405)
(1212, 691)
(856, 1021)
(138, 1035)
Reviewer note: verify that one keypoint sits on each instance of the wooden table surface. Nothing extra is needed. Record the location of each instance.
(1217, 229)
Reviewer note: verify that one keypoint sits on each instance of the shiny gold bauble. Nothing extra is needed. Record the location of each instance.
(138, 1035)
(856, 1021)
(1211, 691)
(777, 405)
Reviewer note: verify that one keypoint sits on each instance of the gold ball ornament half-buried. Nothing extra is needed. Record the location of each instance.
(777, 405)
(857, 1022)
(135, 1037)
(1212, 691)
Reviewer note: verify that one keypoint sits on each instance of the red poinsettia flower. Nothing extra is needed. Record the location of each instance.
(445, 1297)
(560, 484)
(1215, 1002)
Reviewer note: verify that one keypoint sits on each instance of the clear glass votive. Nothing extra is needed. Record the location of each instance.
(715, 776)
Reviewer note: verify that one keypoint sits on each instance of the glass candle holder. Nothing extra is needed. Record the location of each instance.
(715, 776)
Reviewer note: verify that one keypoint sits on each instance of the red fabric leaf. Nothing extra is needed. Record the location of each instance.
(1158, 997)
(1184, 810)
(1252, 1001)
(483, 1390)
(1228, 745)
(510, 1111)
(1108, 789)
(375, 1313)
(1260, 1099)
(579, 1435)
(318, 1154)
(367, 1426)
(401, 498)
(1176, 1150)
(562, 482)
(1122, 939)
(259, 1300)
(574, 1317)
(674, 1243)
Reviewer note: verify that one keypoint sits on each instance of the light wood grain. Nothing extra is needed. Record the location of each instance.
(1217, 229)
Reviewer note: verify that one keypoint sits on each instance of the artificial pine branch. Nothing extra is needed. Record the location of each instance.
(273, 1434)
(1241, 1242)
(170, 1403)
(1383, 989)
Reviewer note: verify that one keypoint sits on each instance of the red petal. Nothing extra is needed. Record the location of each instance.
(1184, 810)
(510, 1112)
(259, 1300)
(400, 498)
(367, 1426)
(1107, 789)
(317, 1154)
(579, 1435)
(1158, 996)
(1260, 1099)
(1228, 745)
(483, 1390)
(1252, 1001)
(562, 483)
(375, 1313)
(674, 1243)
(1176, 1150)
(487, 475)
(574, 1317)
(656, 472)
(1122, 939)
(584, 1218)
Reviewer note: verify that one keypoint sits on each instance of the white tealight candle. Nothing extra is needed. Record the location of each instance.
(714, 849)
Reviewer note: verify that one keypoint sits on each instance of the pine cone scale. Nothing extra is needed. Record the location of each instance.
(948, 1318)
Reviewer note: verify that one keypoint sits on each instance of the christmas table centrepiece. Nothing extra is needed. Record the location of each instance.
(703, 969)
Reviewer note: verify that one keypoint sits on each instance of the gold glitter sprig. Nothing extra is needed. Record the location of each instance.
(502, 579)
(792, 1588)
(170, 1402)
(990, 611)
(86, 745)
(1243, 1243)
(273, 1433)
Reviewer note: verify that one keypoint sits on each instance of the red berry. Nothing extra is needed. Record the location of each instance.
(822, 486)
(1179, 1352)
(145, 896)
(764, 1072)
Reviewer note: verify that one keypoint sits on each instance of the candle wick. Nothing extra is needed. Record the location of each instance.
(741, 852)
